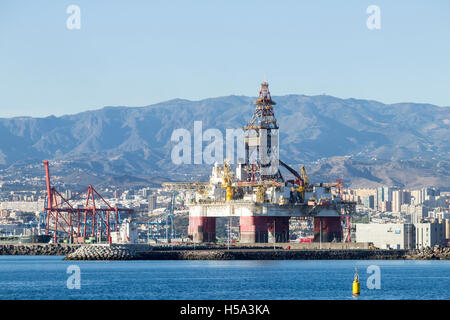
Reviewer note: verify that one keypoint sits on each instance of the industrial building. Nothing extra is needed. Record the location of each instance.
(385, 236)
(402, 235)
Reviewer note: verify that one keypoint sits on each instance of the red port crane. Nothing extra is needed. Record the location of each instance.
(73, 221)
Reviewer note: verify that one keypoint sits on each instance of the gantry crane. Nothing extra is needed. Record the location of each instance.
(76, 221)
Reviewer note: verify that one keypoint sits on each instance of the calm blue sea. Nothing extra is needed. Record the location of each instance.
(45, 277)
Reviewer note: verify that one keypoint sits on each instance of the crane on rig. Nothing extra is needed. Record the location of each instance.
(227, 181)
(304, 176)
(302, 188)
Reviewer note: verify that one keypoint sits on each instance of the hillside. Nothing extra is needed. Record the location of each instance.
(382, 143)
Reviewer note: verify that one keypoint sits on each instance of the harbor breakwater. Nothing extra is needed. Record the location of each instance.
(268, 254)
(208, 252)
(48, 249)
(165, 253)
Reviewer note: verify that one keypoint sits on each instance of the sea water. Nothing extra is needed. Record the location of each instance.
(49, 277)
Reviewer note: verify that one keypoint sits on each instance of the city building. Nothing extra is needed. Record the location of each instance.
(68, 194)
(152, 202)
(402, 235)
(117, 194)
(429, 234)
(359, 194)
(418, 213)
(386, 206)
(447, 228)
(385, 236)
(25, 206)
(397, 200)
(369, 202)
(145, 192)
(424, 194)
(383, 194)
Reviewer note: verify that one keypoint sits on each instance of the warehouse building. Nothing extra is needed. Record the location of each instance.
(385, 236)
(401, 236)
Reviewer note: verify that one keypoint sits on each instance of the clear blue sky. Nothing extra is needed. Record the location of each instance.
(136, 53)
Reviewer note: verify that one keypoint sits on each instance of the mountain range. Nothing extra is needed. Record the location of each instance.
(366, 142)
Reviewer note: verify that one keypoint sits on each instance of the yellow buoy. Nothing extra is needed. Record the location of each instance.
(356, 284)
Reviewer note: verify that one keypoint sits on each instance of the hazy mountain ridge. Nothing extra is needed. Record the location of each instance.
(136, 140)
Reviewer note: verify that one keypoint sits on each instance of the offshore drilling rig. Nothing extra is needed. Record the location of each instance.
(258, 193)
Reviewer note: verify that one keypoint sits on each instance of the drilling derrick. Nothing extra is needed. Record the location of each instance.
(261, 140)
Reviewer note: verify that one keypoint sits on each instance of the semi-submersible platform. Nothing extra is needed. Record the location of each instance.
(258, 193)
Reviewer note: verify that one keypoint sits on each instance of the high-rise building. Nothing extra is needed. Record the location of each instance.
(383, 194)
(379, 198)
(406, 197)
(145, 192)
(418, 213)
(117, 194)
(447, 228)
(68, 194)
(429, 193)
(397, 200)
(359, 194)
(369, 202)
(386, 206)
(151, 202)
(416, 197)
(387, 193)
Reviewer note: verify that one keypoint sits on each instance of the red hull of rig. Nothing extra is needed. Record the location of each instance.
(327, 229)
(76, 222)
(257, 229)
(202, 229)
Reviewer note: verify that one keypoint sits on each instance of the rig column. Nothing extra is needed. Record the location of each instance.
(202, 229)
(281, 225)
(331, 229)
(257, 229)
(253, 229)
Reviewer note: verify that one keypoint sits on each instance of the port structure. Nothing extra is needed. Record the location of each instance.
(72, 221)
(165, 229)
(259, 194)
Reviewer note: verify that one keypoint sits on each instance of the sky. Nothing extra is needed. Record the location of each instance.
(137, 53)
